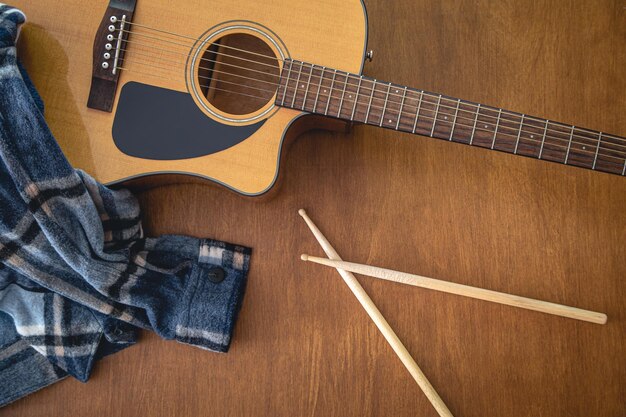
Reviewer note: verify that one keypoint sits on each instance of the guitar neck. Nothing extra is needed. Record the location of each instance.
(338, 94)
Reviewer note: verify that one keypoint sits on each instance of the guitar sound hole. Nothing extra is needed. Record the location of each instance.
(238, 74)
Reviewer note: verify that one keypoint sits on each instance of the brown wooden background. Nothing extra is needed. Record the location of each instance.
(303, 345)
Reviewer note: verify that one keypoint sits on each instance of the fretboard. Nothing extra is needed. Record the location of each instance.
(353, 97)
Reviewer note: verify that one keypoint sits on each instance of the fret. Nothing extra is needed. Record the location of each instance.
(343, 93)
(456, 112)
(319, 87)
(569, 144)
(287, 83)
(449, 119)
(417, 113)
(432, 131)
(401, 106)
(475, 121)
(369, 105)
(356, 98)
(382, 115)
(308, 83)
(330, 92)
(582, 153)
(295, 92)
(543, 140)
(495, 131)
(595, 158)
(519, 133)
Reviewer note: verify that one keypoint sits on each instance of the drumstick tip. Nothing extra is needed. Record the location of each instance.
(302, 212)
(304, 257)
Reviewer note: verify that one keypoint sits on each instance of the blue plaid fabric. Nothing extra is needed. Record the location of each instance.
(77, 275)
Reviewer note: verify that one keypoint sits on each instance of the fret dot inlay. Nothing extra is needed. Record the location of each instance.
(415, 111)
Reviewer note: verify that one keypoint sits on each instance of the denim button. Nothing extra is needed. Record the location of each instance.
(117, 331)
(216, 275)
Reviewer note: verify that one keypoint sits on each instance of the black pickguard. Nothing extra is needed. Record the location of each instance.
(157, 123)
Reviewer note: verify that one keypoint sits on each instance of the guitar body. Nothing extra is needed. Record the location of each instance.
(156, 125)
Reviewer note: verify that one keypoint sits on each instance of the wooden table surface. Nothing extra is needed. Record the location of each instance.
(304, 346)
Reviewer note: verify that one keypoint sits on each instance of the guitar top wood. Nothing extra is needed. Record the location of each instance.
(335, 38)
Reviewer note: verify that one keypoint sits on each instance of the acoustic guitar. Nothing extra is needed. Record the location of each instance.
(215, 89)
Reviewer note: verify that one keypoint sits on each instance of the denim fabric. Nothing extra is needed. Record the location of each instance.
(77, 275)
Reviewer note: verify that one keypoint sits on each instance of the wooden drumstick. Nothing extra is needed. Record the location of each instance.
(380, 322)
(464, 290)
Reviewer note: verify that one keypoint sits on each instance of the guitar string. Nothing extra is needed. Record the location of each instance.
(406, 105)
(213, 61)
(349, 76)
(356, 77)
(196, 40)
(186, 54)
(421, 116)
(152, 55)
(128, 69)
(471, 119)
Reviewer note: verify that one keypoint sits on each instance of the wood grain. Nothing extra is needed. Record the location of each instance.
(304, 346)
(459, 289)
(104, 82)
(62, 38)
(363, 99)
(379, 320)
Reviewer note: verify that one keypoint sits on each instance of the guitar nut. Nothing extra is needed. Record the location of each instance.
(105, 65)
